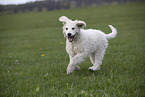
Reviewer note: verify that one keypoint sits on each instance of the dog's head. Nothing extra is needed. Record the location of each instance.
(71, 28)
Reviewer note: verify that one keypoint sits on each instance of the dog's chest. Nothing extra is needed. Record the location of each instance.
(73, 48)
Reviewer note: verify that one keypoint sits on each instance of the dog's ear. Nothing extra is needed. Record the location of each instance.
(81, 24)
(63, 19)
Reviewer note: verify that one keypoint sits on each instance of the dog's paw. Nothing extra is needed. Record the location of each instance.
(77, 68)
(94, 68)
(70, 70)
(90, 68)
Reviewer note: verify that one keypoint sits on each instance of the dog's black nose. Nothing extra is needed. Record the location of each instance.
(69, 34)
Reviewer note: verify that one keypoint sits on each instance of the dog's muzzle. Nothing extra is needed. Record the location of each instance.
(70, 37)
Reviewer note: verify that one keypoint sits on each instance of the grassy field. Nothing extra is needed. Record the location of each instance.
(33, 59)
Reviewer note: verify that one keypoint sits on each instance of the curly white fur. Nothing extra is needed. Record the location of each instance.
(81, 43)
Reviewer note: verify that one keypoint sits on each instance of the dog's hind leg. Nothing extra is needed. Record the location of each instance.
(98, 60)
(92, 58)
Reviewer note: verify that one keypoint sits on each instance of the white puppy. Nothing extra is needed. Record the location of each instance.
(81, 43)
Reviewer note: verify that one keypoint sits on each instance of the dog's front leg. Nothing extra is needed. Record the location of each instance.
(77, 59)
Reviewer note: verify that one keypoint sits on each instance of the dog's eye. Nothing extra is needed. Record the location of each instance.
(66, 28)
(73, 28)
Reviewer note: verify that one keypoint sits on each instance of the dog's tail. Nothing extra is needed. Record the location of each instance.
(113, 34)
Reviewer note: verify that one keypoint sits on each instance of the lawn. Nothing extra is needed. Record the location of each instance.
(33, 59)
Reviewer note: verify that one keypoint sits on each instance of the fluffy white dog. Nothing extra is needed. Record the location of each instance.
(81, 43)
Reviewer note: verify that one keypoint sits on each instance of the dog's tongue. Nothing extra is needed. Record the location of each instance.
(70, 39)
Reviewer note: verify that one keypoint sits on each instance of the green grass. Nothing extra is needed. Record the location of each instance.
(24, 72)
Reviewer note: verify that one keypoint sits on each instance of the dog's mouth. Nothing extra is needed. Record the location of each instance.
(71, 38)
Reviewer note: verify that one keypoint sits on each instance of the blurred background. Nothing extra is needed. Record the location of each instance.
(33, 58)
(22, 6)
